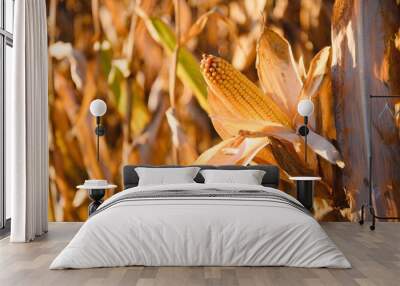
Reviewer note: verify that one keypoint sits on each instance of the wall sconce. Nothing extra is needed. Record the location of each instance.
(98, 108)
(305, 108)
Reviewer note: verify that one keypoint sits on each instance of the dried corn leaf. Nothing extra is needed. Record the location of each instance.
(172, 76)
(397, 40)
(96, 19)
(79, 198)
(186, 152)
(196, 28)
(260, 128)
(302, 69)
(106, 21)
(264, 128)
(265, 157)
(185, 15)
(245, 52)
(77, 61)
(319, 67)
(150, 141)
(255, 8)
(201, 22)
(325, 149)
(397, 117)
(188, 67)
(123, 66)
(277, 70)
(216, 154)
(237, 13)
(233, 151)
(217, 107)
(140, 113)
(253, 146)
(119, 15)
(325, 111)
(290, 160)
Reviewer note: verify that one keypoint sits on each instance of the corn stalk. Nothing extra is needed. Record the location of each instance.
(365, 61)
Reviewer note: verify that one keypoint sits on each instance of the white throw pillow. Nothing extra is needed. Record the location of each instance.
(166, 176)
(248, 177)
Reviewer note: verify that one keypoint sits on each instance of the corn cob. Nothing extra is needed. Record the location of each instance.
(235, 89)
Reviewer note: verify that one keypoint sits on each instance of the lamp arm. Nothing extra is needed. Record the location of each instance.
(303, 131)
(98, 147)
(305, 144)
(99, 131)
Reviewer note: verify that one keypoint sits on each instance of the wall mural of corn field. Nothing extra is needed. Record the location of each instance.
(218, 82)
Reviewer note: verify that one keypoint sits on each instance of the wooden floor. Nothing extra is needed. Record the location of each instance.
(375, 257)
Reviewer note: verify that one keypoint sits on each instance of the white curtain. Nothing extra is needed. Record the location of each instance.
(27, 123)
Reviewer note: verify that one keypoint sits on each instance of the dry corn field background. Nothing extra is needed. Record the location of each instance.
(218, 82)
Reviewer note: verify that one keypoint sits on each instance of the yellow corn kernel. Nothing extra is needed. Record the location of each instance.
(235, 89)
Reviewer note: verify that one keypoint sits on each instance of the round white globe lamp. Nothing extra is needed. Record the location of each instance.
(98, 107)
(305, 107)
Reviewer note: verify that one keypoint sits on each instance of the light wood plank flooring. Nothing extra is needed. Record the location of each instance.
(375, 257)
